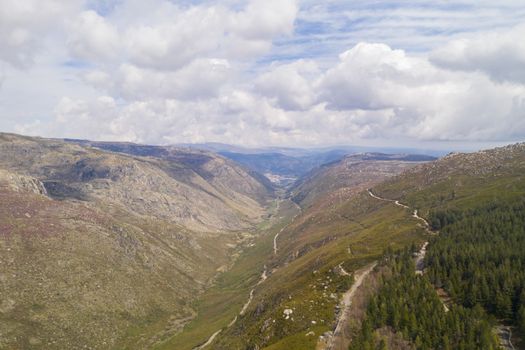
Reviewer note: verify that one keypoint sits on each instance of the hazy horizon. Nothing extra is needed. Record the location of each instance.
(429, 149)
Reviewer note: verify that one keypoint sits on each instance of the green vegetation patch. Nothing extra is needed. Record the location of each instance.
(408, 305)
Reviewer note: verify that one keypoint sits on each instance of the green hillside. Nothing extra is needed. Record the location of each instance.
(358, 230)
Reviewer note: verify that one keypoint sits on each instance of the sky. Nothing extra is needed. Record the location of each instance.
(305, 73)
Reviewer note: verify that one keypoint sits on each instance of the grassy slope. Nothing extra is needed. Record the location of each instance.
(73, 275)
(218, 306)
(355, 233)
(346, 174)
(310, 284)
(462, 181)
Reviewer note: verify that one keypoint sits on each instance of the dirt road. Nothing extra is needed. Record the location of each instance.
(339, 341)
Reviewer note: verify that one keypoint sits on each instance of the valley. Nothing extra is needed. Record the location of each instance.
(306, 334)
(150, 247)
(262, 175)
(276, 268)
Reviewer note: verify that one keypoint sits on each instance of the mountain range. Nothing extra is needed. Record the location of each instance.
(108, 245)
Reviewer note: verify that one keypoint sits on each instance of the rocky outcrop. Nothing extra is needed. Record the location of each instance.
(21, 183)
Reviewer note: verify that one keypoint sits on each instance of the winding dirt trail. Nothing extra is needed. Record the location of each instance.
(210, 340)
(505, 337)
(343, 271)
(422, 252)
(420, 259)
(389, 200)
(275, 241)
(282, 229)
(336, 342)
(263, 278)
(415, 215)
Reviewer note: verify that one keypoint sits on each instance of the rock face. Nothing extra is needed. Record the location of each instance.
(21, 183)
(105, 250)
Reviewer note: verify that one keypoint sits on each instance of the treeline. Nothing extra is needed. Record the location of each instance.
(479, 258)
(408, 305)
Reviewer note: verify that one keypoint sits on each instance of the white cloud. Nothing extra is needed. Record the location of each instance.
(425, 102)
(98, 79)
(202, 78)
(92, 37)
(374, 92)
(499, 54)
(264, 72)
(265, 19)
(172, 43)
(290, 84)
(162, 35)
(24, 26)
(77, 118)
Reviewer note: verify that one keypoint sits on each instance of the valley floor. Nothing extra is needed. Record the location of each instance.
(219, 308)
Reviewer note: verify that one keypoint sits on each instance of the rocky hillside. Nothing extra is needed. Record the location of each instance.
(459, 177)
(104, 250)
(207, 164)
(195, 189)
(350, 173)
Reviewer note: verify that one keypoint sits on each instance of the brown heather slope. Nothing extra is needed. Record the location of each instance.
(102, 250)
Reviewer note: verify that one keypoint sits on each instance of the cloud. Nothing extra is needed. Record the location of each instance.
(501, 55)
(25, 25)
(265, 72)
(79, 118)
(423, 101)
(201, 78)
(374, 92)
(328, 27)
(170, 44)
(2, 77)
(290, 84)
(265, 19)
(92, 37)
(165, 36)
